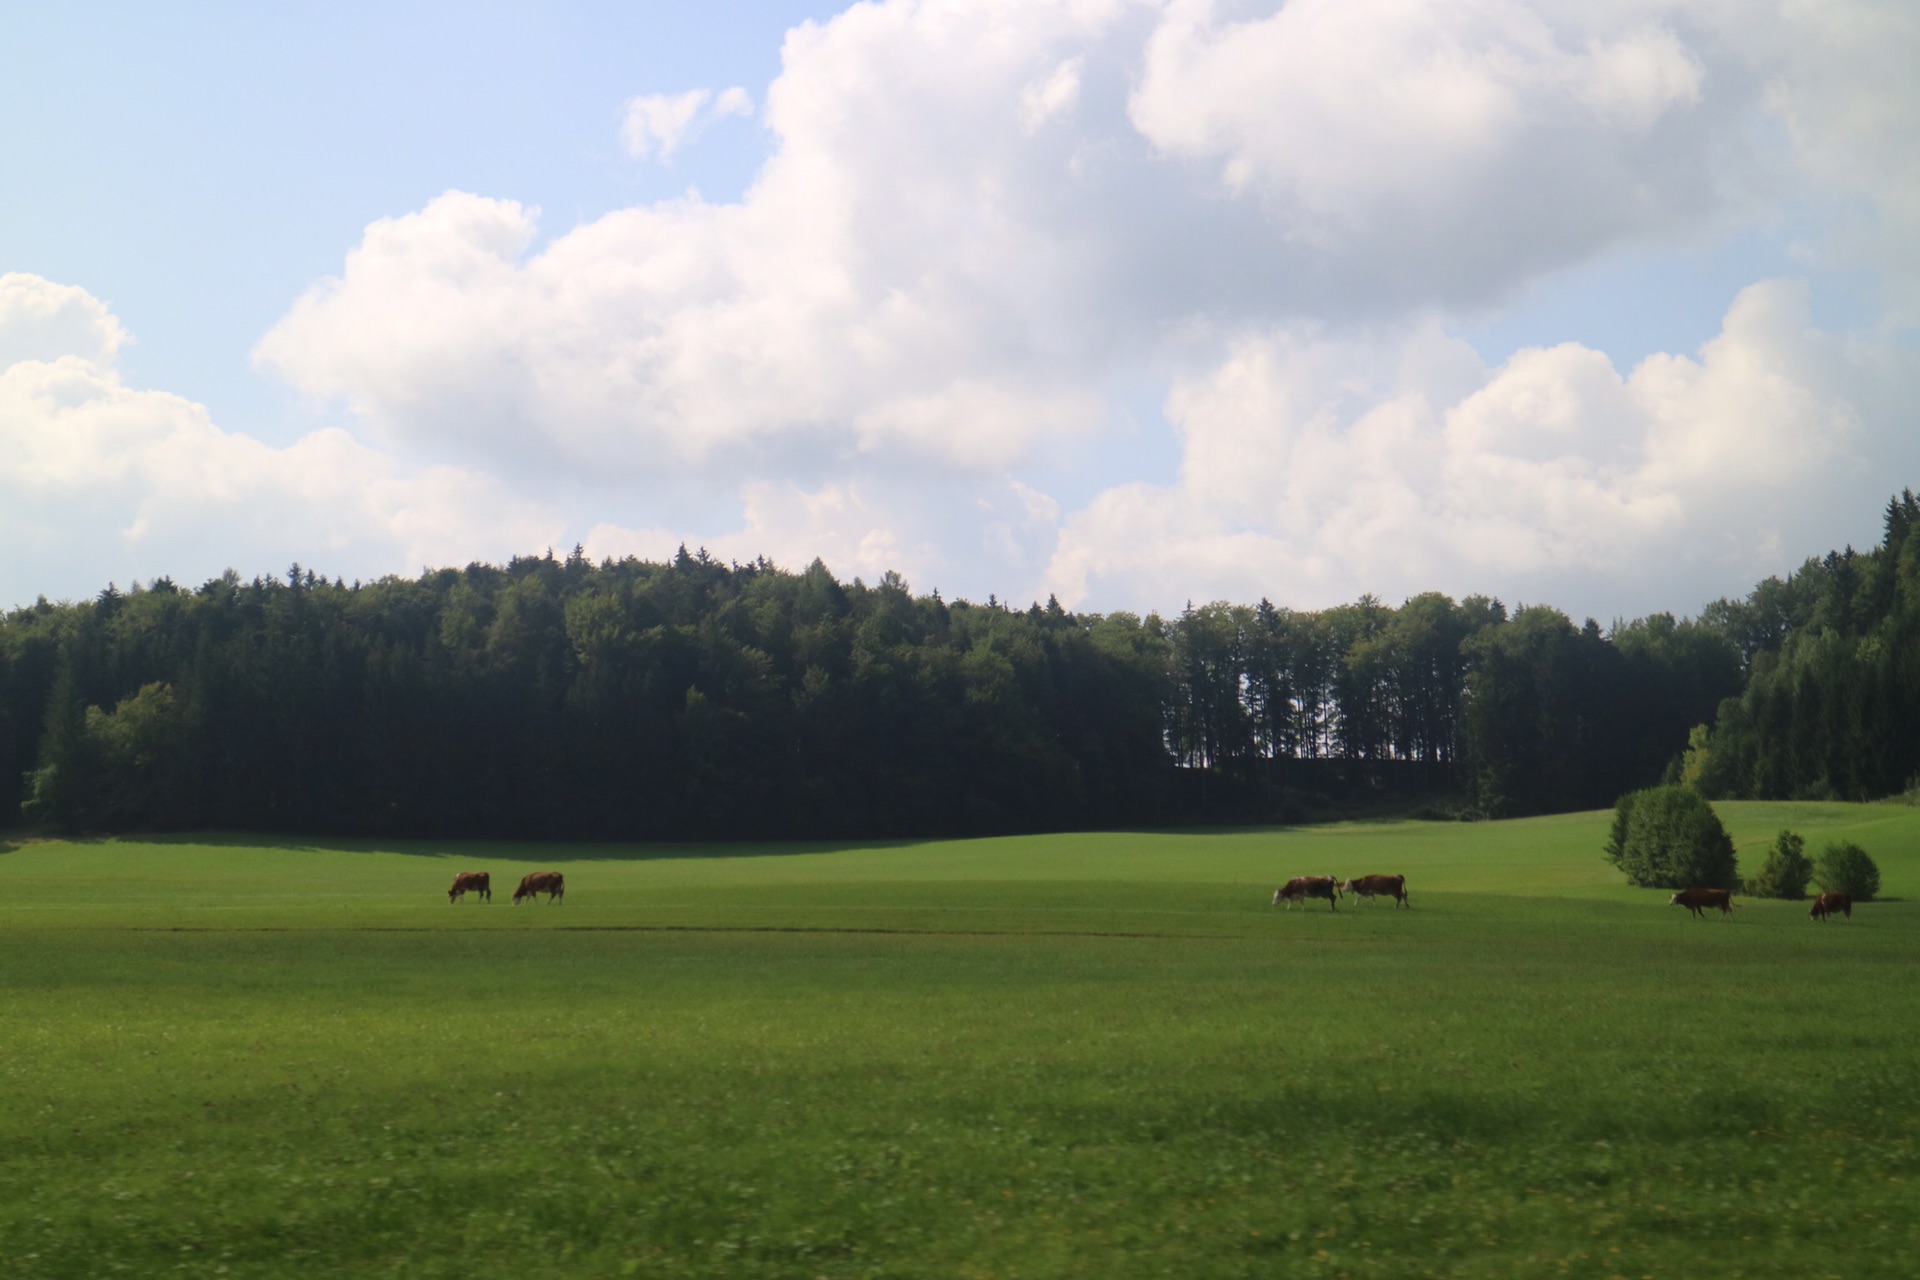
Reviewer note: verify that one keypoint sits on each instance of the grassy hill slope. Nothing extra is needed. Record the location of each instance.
(1076, 1055)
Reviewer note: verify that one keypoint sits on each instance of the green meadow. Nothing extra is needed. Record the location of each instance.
(1073, 1055)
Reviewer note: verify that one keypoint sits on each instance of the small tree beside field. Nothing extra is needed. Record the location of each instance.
(1844, 867)
(1786, 870)
(1670, 838)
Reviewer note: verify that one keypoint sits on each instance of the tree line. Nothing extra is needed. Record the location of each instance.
(691, 698)
(1830, 704)
(637, 700)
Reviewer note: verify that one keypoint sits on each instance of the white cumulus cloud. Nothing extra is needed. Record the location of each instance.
(101, 481)
(655, 125)
(44, 321)
(1314, 468)
(928, 265)
(982, 225)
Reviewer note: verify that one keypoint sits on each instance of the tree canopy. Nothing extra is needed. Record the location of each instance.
(692, 698)
(1831, 703)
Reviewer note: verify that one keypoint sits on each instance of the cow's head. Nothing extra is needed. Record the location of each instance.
(1674, 901)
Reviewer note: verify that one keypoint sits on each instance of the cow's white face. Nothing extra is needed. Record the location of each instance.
(1674, 900)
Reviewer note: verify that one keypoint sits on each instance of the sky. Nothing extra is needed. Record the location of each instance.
(1614, 307)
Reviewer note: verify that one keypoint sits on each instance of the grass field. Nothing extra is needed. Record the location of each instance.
(1085, 1055)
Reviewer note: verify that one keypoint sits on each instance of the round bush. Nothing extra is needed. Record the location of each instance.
(1844, 867)
(1670, 838)
(1786, 870)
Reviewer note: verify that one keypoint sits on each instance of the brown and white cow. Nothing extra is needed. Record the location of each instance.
(479, 881)
(1828, 903)
(1370, 887)
(535, 883)
(1699, 901)
(1301, 888)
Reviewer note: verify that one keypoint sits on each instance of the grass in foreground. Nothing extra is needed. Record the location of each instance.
(1089, 1055)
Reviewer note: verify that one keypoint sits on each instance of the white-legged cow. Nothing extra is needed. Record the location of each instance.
(1828, 903)
(1301, 888)
(535, 883)
(1371, 887)
(479, 881)
(1699, 901)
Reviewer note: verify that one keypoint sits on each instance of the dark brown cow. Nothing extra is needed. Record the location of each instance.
(1370, 887)
(1698, 901)
(1828, 903)
(1301, 888)
(479, 881)
(551, 883)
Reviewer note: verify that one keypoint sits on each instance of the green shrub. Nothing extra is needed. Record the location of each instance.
(1786, 870)
(1845, 868)
(1670, 838)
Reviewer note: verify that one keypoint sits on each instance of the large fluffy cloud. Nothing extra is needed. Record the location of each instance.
(986, 229)
(1403, 463)
(99, 480)
(977, 214)
(1427, 151)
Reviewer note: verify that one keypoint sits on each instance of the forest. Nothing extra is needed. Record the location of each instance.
(562, 698)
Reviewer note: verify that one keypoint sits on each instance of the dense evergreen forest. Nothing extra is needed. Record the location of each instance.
(1830, 708)
(562, 698)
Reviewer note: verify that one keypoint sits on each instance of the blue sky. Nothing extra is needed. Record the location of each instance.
(1610, 307)
(199, 166)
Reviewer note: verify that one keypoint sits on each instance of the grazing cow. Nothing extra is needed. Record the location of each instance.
(1300, 888)
(1828, 903)
(1370, 887)
(479, 881)
(1696, 901)
(551, 883)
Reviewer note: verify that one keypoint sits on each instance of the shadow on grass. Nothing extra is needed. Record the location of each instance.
(634, 851)
(515, 850)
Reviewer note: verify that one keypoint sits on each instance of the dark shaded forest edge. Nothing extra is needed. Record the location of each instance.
(558, 698)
